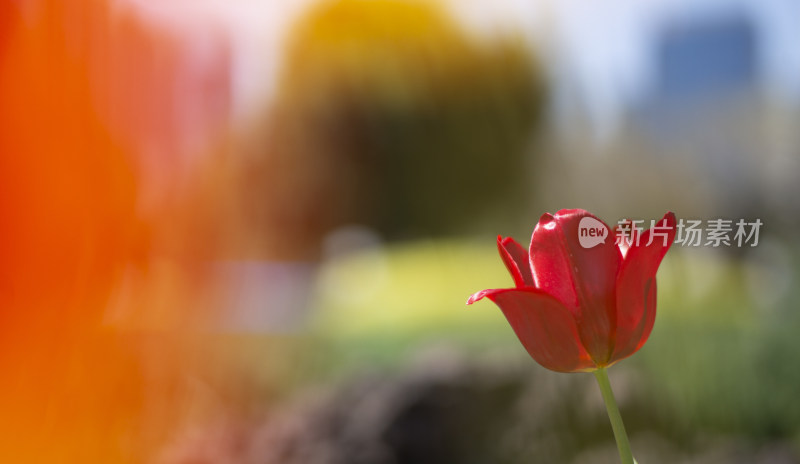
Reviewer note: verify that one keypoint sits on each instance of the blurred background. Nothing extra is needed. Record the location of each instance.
(244, 232)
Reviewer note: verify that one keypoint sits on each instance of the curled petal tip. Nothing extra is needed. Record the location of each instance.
(668, 220)
(547, 221)
(476, 296)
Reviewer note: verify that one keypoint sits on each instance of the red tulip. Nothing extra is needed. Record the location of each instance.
(577, 308)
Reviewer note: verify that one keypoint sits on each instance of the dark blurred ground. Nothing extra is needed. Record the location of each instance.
(445, 409)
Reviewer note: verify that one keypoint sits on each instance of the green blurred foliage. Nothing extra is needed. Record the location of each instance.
(726, 361)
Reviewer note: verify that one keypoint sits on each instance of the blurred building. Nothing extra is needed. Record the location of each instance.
(706, 105)
(705, 92)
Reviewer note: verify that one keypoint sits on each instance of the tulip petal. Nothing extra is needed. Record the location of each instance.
(515, 257)
(636, 287)
(583, 279)
(545, 327)
(624, 234)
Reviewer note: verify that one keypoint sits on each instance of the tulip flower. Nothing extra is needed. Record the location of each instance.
(583, 299)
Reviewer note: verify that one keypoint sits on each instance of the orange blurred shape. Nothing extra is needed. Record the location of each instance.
(66, 211)
(70, 390)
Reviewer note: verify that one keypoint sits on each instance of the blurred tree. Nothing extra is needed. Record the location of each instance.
(388, 114)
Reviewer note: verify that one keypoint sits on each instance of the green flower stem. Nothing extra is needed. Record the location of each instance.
(623, 445)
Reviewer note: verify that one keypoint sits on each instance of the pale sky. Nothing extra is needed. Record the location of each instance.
(599, 52)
